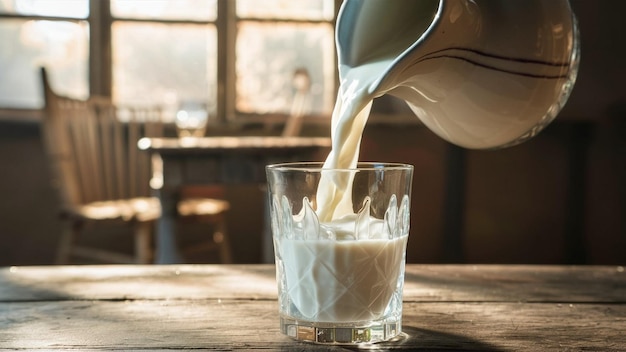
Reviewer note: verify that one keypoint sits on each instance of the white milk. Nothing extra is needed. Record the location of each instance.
(354, 279)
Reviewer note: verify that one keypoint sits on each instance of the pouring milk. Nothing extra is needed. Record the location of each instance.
(451, 62)
(479, 74)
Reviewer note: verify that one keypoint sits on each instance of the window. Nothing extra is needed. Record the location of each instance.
(285, 48)
(36, 32)
(240, 59)
(165, 52)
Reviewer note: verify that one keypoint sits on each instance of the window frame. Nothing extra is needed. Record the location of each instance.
(36, 114)
(100, 63)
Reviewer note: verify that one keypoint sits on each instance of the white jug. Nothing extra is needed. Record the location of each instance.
(479, 73)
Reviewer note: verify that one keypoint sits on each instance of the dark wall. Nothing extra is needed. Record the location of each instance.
(525, 204)
(28, 226)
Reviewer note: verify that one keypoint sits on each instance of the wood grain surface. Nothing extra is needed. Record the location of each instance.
(233, 307)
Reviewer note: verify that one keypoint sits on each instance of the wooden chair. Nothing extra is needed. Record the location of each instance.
(103, 177)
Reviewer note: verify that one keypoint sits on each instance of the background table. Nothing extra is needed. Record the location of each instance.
(216, 160)
(234, 307)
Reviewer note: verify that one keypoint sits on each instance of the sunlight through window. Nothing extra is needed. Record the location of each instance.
(173, 52)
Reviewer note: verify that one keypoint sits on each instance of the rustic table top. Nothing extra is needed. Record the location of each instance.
(221, 144)
(234, 307)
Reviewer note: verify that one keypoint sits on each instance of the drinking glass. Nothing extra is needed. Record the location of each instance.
(191, 120)
(340, 239)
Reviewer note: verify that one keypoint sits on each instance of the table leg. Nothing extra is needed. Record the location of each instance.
(166, 182)
(166, 246)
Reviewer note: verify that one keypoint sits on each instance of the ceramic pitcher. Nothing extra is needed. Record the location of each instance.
(479, 73)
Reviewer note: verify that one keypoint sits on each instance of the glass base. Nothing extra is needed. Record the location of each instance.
(340, 333)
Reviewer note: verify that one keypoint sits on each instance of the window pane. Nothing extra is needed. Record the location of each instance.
(272, 60)
(164, 63)
(61, 8)
(286, 9)
(27, 44)
(205, 10)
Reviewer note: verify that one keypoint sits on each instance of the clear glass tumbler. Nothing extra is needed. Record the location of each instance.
(340, 240)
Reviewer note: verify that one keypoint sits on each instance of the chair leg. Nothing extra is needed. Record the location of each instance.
(143, 234)
(220, 237)
(71, 229)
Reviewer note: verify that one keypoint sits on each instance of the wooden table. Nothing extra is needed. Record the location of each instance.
(216, 160)
(233, 307)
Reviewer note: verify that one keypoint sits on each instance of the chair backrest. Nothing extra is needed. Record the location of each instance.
(92, 147)
(301, 104)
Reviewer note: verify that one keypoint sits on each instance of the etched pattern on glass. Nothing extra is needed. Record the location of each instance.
(330, 273)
